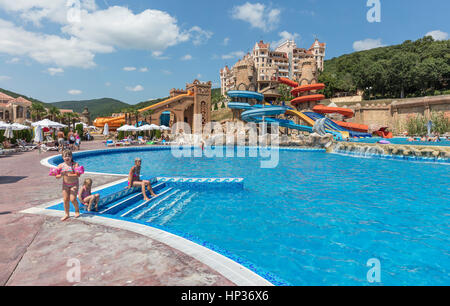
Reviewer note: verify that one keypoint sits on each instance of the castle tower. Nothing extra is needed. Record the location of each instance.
(201, 106)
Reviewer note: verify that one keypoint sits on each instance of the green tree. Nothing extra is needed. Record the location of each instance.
(37, 111)
(285, 92)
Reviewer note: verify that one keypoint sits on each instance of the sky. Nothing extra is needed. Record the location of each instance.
(137, 50)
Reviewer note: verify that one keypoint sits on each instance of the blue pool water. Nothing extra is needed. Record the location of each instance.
(404, 141)
(316, 219)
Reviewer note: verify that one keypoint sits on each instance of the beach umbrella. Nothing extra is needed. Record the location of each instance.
(106, 129)
(3, 125)
(9, 132)
(128, 128)
(38, 137)
(164, 128)
(82, 123)
(19, 127)
(146, 127)
(48, 124)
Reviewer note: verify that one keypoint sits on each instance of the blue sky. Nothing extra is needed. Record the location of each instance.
(138, 49)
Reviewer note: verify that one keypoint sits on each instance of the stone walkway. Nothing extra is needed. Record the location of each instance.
(36, 250)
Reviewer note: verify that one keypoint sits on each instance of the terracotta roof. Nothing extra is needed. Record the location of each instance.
(5, 96)
(62, 111)
(322, 45)
(22, 100)
(261, 44)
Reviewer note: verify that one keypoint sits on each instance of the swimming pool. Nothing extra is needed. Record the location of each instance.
(403, 141)
(316, 219)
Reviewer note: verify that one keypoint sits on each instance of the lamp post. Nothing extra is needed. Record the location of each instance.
(369, 89)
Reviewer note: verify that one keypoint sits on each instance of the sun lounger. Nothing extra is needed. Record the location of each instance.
(110, 143)
(46, 148)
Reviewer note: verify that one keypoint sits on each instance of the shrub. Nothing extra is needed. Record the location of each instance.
(416, 126)
(441, 124)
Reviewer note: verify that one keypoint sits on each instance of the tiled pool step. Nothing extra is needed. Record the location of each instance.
(173, 194)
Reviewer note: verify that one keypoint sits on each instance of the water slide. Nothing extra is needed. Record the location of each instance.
(267, 112)
(353, 129)
(118, 121)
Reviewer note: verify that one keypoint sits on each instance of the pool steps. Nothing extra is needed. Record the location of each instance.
(173, 194)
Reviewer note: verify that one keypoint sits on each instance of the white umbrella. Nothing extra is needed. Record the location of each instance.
(3, 125)
(146, 127)
(48, 123)
(9, 132)
(82, 123)
(164, 128)
(38, 135)
(19, 127)
(106, 129)
(128, 128)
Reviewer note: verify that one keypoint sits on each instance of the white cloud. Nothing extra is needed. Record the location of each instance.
(258, 15)
(14, 60)
(74, 92)
(107, 84)
(55, 71)
(285, 35)
(438, 35)
(99, 31)
(166, 72)
(36, 11)
(226, 41)
(199, 36)
(136, 88)
(367, 44)
(4, 78)
(158, 55)
(143, 69)
(129, 68)
(117, 26)
(236, 54)
(47, 49)
(187, 57)
(199, 76)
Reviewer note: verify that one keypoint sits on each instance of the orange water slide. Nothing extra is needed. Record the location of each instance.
(353, 126)
(322, 109)
(119, 121)
(304, 88)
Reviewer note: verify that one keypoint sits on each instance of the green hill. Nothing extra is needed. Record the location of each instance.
(97, 107)
(411, 69)
(16, 95)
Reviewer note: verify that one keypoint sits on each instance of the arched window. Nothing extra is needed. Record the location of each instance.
(6, 115)
(28, 113)
(19, 112)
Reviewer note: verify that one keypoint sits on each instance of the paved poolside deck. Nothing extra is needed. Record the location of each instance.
(35, 250)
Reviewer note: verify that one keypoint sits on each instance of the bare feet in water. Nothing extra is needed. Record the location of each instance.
(65, 218)
(77, 214)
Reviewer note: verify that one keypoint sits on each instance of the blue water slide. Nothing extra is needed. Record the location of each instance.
(332, 125)
(245, 94)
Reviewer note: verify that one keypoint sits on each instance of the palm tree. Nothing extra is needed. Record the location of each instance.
(37, 111)
(136, 114)
(53, 112)
(148, 113)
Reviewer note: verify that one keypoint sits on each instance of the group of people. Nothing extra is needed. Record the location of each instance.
(432, 138)
(70, 171)
(73, 140)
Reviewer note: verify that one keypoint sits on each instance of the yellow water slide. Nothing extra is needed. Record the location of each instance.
(118, 121)
(301, 116)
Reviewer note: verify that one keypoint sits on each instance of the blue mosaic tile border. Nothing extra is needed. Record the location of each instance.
(445, 161)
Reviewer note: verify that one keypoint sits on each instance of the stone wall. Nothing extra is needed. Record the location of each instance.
(394, 114)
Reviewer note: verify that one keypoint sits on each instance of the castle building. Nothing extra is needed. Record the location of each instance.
(14, 109)
(260, 70)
